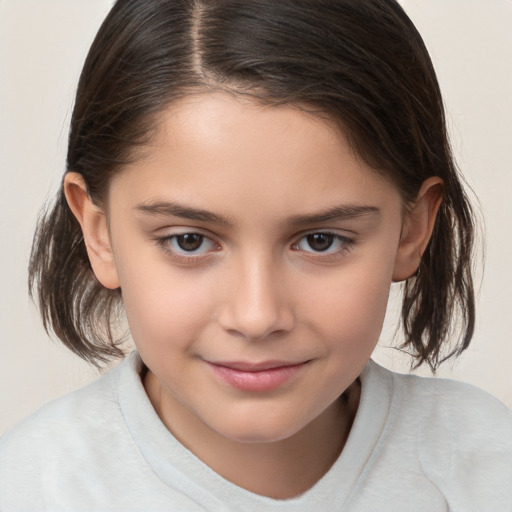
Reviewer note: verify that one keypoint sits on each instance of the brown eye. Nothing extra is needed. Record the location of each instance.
(323, 243)
(192, 247)
(320, 242)
(189, 242)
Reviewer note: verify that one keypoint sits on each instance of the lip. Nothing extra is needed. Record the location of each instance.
(256, 377)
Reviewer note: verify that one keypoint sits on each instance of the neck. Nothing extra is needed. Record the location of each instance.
(279, 469)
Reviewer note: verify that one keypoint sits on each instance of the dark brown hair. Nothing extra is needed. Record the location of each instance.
(360, 63)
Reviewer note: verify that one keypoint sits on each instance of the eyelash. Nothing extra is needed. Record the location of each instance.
(345, 243)
(165, 242)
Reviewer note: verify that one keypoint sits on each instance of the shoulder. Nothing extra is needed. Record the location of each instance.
(50, 445)
(448, 404)
(444, 408)
(61, 420)
(462, 435)
(83, 451)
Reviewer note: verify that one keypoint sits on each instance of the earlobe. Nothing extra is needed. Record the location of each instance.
(93, 222)
(417, 228)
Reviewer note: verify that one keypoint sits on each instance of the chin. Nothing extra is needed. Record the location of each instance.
(258, 430)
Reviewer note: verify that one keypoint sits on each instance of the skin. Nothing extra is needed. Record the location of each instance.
(257, 288)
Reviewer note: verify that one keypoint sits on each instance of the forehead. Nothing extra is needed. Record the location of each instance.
(222, 117)
(215, 148)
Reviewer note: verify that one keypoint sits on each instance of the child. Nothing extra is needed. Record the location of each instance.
(247, 179)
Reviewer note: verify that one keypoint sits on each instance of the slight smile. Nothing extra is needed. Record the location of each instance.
(259, 377)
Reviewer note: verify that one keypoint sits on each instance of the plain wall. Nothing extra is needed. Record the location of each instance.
(42, 48)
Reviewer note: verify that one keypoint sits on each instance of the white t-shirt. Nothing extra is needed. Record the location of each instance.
(416, 445)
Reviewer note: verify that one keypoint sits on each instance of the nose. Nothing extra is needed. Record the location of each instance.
(257, 303)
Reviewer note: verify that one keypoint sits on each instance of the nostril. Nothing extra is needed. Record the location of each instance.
(256, 324)
(254, 303)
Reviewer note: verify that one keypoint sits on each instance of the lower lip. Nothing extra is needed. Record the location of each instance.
(259, 381)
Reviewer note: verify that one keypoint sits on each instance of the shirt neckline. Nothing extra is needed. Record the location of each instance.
(180, 469)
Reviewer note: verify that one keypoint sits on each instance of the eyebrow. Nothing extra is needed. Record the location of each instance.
(172, 209)
(337, 213)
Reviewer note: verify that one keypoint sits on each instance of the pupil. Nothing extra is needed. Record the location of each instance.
(190, 241)
(320, 241)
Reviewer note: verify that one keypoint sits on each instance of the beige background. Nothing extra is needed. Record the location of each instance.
(42, 47)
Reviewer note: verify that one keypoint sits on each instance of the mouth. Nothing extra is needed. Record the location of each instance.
(257, 377)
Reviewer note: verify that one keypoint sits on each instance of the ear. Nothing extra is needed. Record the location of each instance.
(417, 228)
(93, 221)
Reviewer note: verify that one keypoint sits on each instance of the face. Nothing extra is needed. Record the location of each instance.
(255, 254)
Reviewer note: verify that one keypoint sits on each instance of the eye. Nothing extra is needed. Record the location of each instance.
(187, 244)
(323, 243)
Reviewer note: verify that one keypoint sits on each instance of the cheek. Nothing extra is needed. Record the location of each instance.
(164, 307)
(349, 307)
